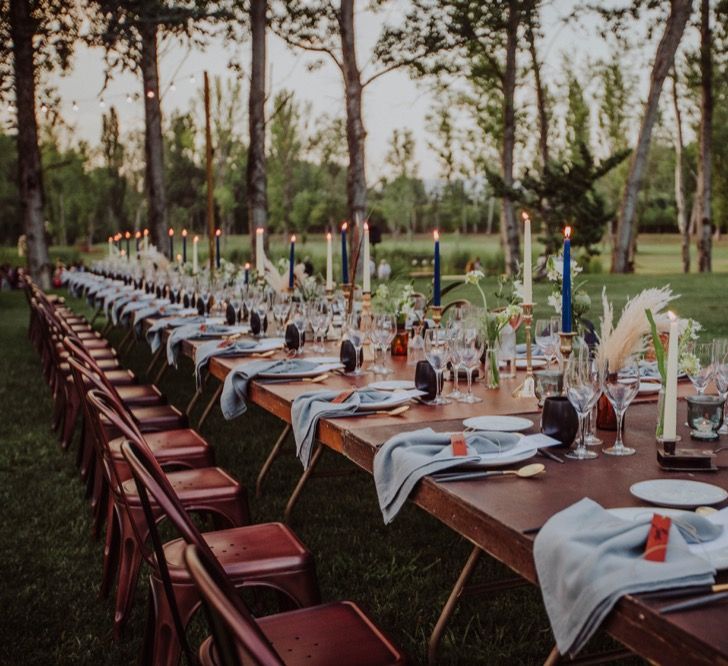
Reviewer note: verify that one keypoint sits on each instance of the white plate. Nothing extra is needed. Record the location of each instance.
(716, 551)
(648, 387)
(315, 372)
(506, 458)
(678, 493)
(393, 400)
(522, 363)
(498, 423)
(392, 385)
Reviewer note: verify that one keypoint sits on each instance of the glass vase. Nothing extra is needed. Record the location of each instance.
(660, 427)
(492, 372)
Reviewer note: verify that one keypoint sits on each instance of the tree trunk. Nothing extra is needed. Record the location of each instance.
(543, 118)
(509, 226)
(30, 173)
(664, 57)
(153, 143)
(256, 174)
(682, 220)
(704, 227)
(356, 179)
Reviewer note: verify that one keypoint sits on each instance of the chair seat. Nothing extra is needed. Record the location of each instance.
(326, 635)
(193, 485)
(141, 395)
(120, 377)
(168, 445)
(246, 553)
(157, 417)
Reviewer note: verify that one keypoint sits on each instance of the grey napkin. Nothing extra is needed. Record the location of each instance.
(587, 559)
(206, 351)
(162, 308)
(193, 332)
(235, 388)
(405, 458)
(308, 408)
(154, 332)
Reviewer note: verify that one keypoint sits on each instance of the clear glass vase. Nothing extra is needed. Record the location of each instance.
(492, 372)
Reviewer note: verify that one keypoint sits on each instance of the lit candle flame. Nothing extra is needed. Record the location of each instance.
(524, 216)
(218, 232)
(138, 234)
(171, 231)
(328, 235)
(344, 226)
(567, 232)
(184, 233)
(293, 238)
(146, 232)
(196, 239)
(259, 230)
(127, 234)
(247, 266)
(436, 235)
(366, 226)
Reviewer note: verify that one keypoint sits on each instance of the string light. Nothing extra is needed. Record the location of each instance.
(102, 104)
(192, 78)
(128, 99)
(173, 87)
(75, 106)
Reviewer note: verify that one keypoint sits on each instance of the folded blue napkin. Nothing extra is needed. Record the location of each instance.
(586, 559)
(193, 332)
(154, 332)
(235, 388)
(206, 351)
(407, 457)
(307, 409)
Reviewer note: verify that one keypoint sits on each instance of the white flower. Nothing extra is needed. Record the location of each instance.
(519, 290)
(473, 277)
(554, 300)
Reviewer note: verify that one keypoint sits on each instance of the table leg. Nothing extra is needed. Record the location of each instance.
(196, 397)
(125, 341)
(209, 407)
(153, 361)
(96, 315)
(107, 327)
(269, 460)
(302, 482)
(450, 604)
(161, 373)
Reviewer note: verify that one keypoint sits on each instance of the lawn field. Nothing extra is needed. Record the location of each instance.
(401, 573)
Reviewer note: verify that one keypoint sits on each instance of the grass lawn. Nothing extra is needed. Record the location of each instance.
(402, 573)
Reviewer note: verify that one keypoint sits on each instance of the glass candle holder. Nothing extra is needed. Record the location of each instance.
(705, 416)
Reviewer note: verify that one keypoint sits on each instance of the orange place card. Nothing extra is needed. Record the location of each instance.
(457, 441)
(343, 396)
(203, 327)
(656, 548)
(225, 343)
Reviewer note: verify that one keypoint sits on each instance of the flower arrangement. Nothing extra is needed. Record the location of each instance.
(494, 321)
(395, 298)
(309, 288)
(580, 301)
(629, 336)
(277, 276)
(689, 330)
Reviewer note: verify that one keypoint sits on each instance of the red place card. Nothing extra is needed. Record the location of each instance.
(457, 441)
(659, 535)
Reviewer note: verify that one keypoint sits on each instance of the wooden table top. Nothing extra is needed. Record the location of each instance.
(494, 513)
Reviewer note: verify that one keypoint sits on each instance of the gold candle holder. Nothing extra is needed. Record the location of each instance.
(366, 303)
(437, 315)
(567, 344)
(528, 388)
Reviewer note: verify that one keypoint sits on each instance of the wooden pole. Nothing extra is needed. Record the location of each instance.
(208, 168)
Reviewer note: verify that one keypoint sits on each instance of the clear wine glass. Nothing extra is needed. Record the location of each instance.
(470, 344)
(356, 335)
(437, 353)
(299, 320)
(621, 385)
(281, 309)
(581, 380)
(319, 316)
(453, 328)
(386, 326)
(698, 364)
(547, 337)
(720, 366)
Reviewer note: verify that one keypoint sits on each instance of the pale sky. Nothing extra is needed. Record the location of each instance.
(393, 101)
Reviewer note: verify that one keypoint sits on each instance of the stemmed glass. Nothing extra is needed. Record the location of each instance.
(356, 335)
(720, 365)
(581, 380)
(454, 326)
(621, 385)
(470, 347)
(298, 319)
(383, 331)
(437, 353)
(281, 308)
(547, 337)
(698, 362)
(261, 307)
(206, 296)
(319, 316)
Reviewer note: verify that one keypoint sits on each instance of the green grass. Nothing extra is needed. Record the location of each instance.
(402, 573)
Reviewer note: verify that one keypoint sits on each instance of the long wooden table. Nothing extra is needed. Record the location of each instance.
(499, 518)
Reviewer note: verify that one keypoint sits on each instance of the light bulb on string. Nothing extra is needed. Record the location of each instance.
(173, 87)
(192, 78)
(75, 106)
(102, 104)
(128, 99)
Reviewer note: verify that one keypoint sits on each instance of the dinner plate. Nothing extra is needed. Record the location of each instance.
(536, 362)
(648, 387)
(392, 385)
(715, 551)
(678, 493)
(498, 423)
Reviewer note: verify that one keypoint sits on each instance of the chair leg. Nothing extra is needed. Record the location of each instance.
(269, 460)
(301, 483)
(73, 409)
(111, 550)
(129, 564)
(166, 648)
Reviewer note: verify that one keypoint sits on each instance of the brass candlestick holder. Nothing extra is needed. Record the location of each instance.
(528, 388)
(567, 344)
(366, 303)
(437, 315)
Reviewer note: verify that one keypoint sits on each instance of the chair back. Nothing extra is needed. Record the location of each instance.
(238, 639)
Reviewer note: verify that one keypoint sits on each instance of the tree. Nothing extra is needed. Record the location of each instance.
(542, 95)
(680, 204)
(328, 28)
(622, 261)
(704, 194)
(578, 117)
(129, 30)
(113, 151)
(328, 145)
(39, 34)
(256, 179)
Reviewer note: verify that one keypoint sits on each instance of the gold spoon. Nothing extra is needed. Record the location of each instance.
(264, 354)
(525, 472)
(393, 412)
(315, 380)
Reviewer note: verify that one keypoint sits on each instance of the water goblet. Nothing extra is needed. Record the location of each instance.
(698, 364)
(581, 380)
(470, 345)
(720, 365)
(356, 335)
(437, 353)
(386, 327)
(620, 385)
(547, 337)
